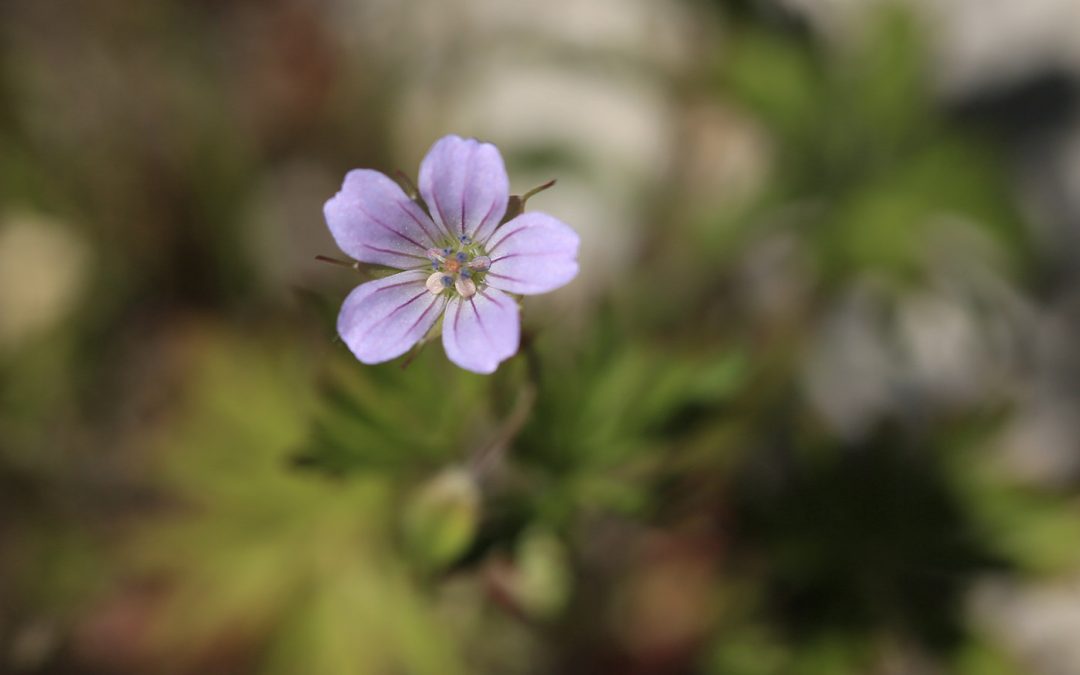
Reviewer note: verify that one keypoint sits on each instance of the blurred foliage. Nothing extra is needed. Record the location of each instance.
(261, 553)
(370, 422)
(861, 151)
(195, 477)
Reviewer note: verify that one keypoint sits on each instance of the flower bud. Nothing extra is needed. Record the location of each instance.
(537, 580)
(544, 573)
(441, 518)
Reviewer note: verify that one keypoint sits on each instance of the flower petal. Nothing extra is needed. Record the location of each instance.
(374, 221)
(383, 319)
(464, 184)
(533, 253)
(481, 331)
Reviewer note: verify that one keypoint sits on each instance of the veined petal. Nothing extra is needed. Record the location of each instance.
(464, 184)
(481, 331)
(374, 221)
(533, 253)
(381, 320)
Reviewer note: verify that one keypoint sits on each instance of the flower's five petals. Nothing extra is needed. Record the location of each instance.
(533, 253)
(374, 221)
(381, 320)
(461, 263)
(464, 184)
(481, 331)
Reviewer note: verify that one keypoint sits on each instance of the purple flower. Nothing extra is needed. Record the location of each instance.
(459, 262)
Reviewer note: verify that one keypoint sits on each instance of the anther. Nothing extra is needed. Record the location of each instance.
(465, 287)
(435, 283)
(480, 263)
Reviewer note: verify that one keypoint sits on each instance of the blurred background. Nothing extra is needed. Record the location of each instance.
(811, 406)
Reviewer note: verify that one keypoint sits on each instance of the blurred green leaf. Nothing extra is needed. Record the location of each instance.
(394, 417)
(268, 554)
(777, 79)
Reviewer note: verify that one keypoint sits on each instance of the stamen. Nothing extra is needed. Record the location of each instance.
(465, 287)
(461, 257)
(436, 255)
(447, 281)
(480, 263)
(435, 283)
(465, 239)
(466, 273)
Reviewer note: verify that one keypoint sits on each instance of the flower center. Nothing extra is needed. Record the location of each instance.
(458, 268)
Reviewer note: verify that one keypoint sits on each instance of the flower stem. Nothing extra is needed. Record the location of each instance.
(487, 457)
